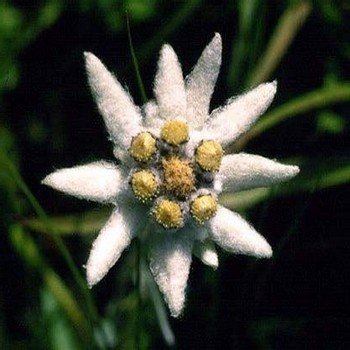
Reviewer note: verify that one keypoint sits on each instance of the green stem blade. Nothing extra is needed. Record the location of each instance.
(10, 167)
(286, 30)
(135, 63)
(319, 98)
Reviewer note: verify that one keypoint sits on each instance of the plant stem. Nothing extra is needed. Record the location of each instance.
(139, 293)
(57, 239)
(135, 63)
(319, 98)
(170, 26)
(286, 30)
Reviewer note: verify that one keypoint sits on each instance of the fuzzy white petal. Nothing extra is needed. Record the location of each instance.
(98, 181)
(243, 171)
(234, 234)
(153, 118)
(121, 116)
(201, 81)
(114, 237)
(238, 115)
(169, 85)
(170, 261)
(206, 252)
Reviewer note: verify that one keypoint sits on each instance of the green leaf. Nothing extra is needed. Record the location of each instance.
(30, 253)
(141, 10)
(85, 223)
(331, 123)
(59, 331)
(159, 308)
(249, 15)
(319, 98)
(285, 32)
(171, 25)
(7, 165)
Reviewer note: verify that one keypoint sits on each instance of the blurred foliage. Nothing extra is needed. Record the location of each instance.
(47, 119)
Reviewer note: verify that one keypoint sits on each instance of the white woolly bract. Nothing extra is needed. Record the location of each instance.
(170, 261)
(231, 232)
(200, 83)
(234, 119)
(243, 171)
(121, 116)
(170, 250)
(114, 237)
(206, 252)
(152, 118)
(97, 181)
(169, 85)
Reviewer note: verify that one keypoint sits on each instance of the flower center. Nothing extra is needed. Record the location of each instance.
(175, 132)
(179, 178)
(203, 208)
(143, 146)
(168, 214)
(209, 155)
(144, 185)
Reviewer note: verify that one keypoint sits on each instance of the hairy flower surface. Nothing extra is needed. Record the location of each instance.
(172, 170)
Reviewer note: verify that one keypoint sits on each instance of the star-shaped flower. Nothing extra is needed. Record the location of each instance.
(172, 170)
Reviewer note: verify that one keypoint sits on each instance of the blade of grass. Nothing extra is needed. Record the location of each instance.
(159, 307)
(85, 223)
(316, 99)
(171, 25)
(7, 164)
(55, 326)
(28, 250)
(261, 283)
(247, 13)
(286, 30)
(135, 63)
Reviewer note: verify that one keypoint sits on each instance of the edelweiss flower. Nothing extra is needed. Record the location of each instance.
(172, 170)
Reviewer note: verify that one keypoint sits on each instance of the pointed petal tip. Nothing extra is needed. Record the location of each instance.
(176, 311)
(271, 85)
(217, 38)
(176, 302)
(216, 44)
(46, 180)
(265, 252)
(214, 265)
(262, 249)
(296, 169)
(166, 49)
(291, 171)
(93, 275)
(269, 88)
(167, 54)
(91, 280)
(175, 314)
(50, 180)
(89, 56)
(211, 259)
(91, 61)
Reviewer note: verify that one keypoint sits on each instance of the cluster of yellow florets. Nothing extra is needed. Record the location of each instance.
(177, 176)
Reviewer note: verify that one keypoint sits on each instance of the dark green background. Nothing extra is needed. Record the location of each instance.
(48, 120)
